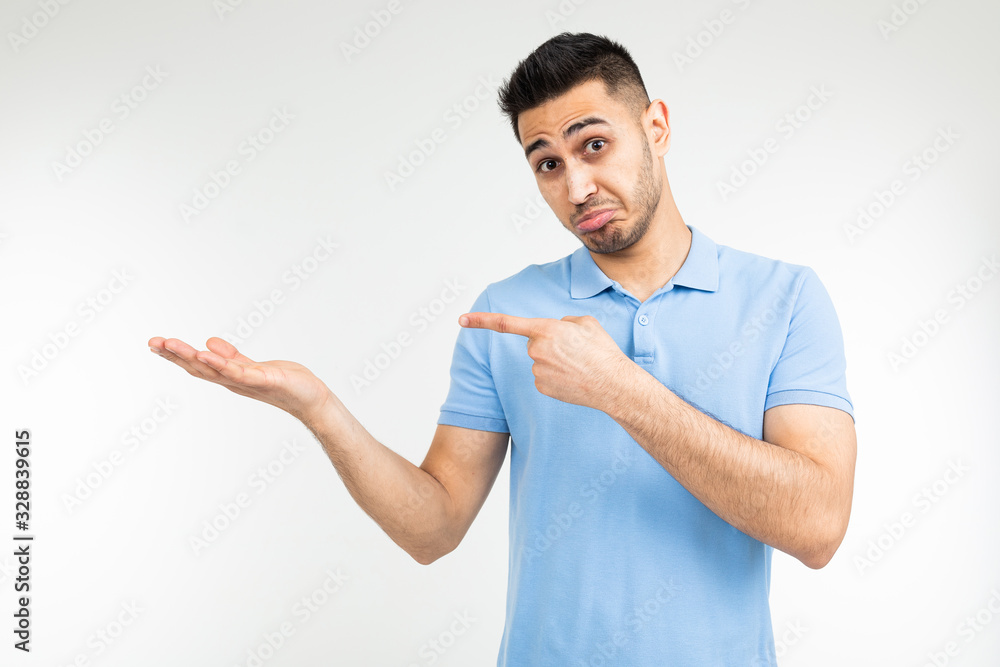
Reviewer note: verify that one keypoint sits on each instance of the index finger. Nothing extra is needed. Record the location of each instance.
(503, 323)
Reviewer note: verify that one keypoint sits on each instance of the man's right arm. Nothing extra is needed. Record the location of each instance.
(426, 510)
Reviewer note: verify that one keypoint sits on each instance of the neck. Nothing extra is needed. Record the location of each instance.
(649, 263)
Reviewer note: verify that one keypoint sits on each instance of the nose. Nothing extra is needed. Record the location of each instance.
(579, 182)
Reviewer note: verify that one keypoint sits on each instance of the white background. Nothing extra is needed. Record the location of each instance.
(893, 594)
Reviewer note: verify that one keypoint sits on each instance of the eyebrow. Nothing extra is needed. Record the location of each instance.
(570, 131)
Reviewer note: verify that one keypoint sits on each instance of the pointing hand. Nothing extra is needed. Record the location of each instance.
(576, 360)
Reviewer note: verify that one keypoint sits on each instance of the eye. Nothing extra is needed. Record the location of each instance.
(542, 164)
(599, 143)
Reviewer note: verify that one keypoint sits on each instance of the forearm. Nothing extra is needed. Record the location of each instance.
(409, 504)
(774, 494)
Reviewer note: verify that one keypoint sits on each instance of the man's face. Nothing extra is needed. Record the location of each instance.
(589, 155)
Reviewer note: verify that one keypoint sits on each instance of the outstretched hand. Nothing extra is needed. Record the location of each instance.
(576, 360)
(283, 384)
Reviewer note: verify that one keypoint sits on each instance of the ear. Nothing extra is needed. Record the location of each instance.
(656, 121)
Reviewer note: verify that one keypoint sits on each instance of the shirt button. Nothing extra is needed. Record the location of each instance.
(643, 320)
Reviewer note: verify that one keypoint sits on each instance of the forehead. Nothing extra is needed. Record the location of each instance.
(546, 123)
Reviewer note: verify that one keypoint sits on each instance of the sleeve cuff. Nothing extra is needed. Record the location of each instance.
(809, 397)
(476, 422)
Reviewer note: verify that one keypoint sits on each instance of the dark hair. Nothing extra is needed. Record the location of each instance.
(566, 60)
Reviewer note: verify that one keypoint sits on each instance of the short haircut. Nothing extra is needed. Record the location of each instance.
(566, 60)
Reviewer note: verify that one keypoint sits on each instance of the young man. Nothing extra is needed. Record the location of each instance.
(676, 408)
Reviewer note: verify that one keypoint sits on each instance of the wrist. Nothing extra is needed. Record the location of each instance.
(625, 382)
(315, 412)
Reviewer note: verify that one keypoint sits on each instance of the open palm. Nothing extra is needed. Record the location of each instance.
(283, 384)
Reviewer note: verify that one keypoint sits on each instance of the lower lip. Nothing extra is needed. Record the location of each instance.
(595, 223)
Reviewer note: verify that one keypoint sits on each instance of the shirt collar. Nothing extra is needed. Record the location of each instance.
(700, 269)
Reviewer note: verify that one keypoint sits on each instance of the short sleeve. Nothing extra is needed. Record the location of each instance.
(472, 400)
(812, 367)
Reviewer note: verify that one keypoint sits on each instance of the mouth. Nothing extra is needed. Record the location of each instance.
(595, 220)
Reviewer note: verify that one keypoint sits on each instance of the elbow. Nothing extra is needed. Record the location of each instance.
(821, 548)
(439, 537)
(425, 557)
(427, 554)
(818, 558)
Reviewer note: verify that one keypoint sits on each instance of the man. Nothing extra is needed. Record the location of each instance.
(676, 408)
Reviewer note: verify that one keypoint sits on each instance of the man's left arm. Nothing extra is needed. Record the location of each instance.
(791, 490)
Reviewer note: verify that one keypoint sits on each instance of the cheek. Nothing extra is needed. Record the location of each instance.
(551, 188)
(618, 175)
(555, 197)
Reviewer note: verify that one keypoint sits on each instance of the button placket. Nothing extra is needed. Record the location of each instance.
(642, 333)
(643, 330)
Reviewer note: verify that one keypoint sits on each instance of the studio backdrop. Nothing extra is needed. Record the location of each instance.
(333, 184)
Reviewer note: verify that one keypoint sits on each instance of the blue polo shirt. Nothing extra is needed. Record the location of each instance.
(611, 561)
